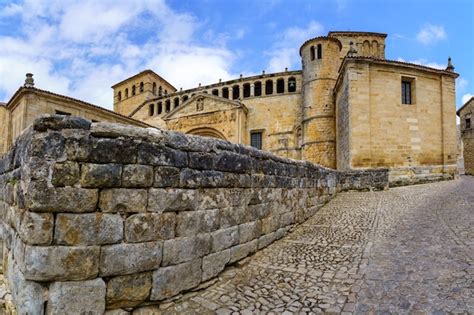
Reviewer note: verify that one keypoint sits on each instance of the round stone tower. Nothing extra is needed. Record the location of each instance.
(321, 62)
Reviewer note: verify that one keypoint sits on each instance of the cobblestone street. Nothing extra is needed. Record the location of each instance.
(405, 250)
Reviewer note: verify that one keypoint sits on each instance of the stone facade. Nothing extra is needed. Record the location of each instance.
(98, 216)
(466, 115)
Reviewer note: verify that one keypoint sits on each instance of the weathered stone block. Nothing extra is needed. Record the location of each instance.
(65, 174)
(101, 175)
(40, 198)
(243, 250)
(128, 290)
(233, 162)
(57, 263)
(101, 150)
(88, 229)
(287, 219)
(143, 227)
(249, 231)
(29, 296)
(184, 249)
(224, 238)
(77, 297)
(36, 228)
(121, 259)
(123, 200)
(266, 240)
(201, 160)
(59, 122)
(169, 281)
(190, 178)
(158, 154)
(172, 199)
(270, 224)
(167, 176)
(115, 130)
(50, 145)
(232, 216)
(214, 263)
(190, 223)
(137, 176)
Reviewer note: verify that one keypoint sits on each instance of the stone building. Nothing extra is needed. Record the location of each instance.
(347, 108)
(29, 103)
(466, 114)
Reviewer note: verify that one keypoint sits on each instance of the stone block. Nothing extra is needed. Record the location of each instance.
(101, 175)
(190, 223)
(201, 160)
(266, 240)
(232, 216)
(88, 229)
(58, 263)
(167, 176)
(50, 145)
(233, 162)
(270, 224)
(171, 199)
(224, 238)
(190, 178)
(249, 231)
(129, 290)
(77, 297)
(123, 200)
(185, 249)
(41, 198)
(137, 176)
(243, 250)
(59, 122)
(29, 296)
(287, 218)
(65, 174)
(214, 263)
(169, 281)
(121, 259)
(101, 150)
(116, 130)
(158, 154)
(144, 227)
(36, 228)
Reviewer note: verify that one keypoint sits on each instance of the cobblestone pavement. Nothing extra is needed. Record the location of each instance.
(405, 250)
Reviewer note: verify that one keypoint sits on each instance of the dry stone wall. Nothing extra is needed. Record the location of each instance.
(98, 216)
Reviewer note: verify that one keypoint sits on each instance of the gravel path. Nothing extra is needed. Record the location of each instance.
(405, 250)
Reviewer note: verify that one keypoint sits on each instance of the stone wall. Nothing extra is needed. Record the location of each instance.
(102, 216)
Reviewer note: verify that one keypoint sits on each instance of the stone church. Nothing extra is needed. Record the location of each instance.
(347, 108)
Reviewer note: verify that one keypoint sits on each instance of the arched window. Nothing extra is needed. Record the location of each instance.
(126, 92)
(166, 92)
(311, 49)
(257, 88)
(133, 90)
(185, 98)
(268, 87)
(154, 88)
(246, 90)
(176, 102)
(280, 86)
(291, 84)
(375, 48)
(320, 51)
(160, 91)
(151, 109)
(142, 87)
(168, 106)
(160, 108)
(366, 48)
(225, 92)
(215, 92)
(119, 96)
(235, 92)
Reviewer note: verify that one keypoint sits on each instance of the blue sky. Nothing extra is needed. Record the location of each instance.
(82, 47)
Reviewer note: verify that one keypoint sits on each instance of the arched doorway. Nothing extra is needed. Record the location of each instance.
(207, 132)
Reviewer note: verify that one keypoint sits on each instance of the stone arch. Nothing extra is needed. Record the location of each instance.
(207, 132)
(375, 48)
(366, 48)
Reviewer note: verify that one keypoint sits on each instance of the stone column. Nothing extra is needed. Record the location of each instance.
(231, 92)
(284, 86)
(274, 86)
(252, 89)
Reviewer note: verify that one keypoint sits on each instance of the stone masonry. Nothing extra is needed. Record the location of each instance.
(98, 216)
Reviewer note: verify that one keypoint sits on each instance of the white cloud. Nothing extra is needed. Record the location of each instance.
(461, 84)
(430, 34)
(285, 52)
(466, 97)
(82, 47)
